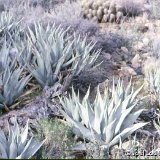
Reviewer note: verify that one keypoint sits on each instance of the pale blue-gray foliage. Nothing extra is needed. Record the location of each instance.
(152, 76)
(55, 51)
(12, 82)
(12, 85)
(17, 145)
(8, 22)
(108, 119)
(20, 47)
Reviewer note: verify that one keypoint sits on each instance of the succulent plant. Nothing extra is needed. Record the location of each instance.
(8, 22)
(55, 51)
(12, 79)
(113, 9)
(17, 145)
(108, 119)
(21, 47)
(102, 11)
(4, 57)
(84, 53)
(152, 76)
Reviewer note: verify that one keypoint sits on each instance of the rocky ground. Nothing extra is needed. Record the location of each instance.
(126, 60)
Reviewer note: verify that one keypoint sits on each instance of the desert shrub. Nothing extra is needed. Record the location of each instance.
(130, 7)
(28, 14)
(52, 4)
(154, 9)
(67, 10)
(59, 139)
(109, 41)
(22, 10)
(80, 26)
(106, 41)
(70, 15)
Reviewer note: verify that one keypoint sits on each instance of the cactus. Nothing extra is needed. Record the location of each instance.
(101, 11)
(104, 10)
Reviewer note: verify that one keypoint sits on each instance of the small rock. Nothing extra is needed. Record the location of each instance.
(124, 63)
(136, 61)
(117, 56)
(138, 19)
(128, 145)
(125, 57)
(146, 55)
(143, 29)
(150, 26)
(103, 85)
(126, 70)
(145, 41)
(139, 46)
(107, 56)
(124, 49)
(139, 71)
(12, 120)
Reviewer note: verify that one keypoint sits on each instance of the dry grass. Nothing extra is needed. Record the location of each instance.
(58, 137)
(132, 8)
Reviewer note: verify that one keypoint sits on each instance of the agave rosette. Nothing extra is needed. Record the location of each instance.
(17, 145)
(12, 85)
(4, 57)
(21, 47)
(152, 76)
(56, 51)
(8, 22)
(108, 119)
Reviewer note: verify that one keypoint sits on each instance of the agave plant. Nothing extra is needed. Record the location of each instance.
(21, 47)
(8, 22)
(108, 119)
(17, 145)
(56, 51)
(82, 50)
(7, 56)
(4, 57)
(152, 76)
(12, 84)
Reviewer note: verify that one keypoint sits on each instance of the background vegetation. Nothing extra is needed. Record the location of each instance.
(79, 79)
